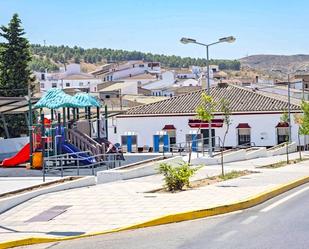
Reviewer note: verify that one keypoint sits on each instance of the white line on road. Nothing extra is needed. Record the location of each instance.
(249, 219)
(277, 203)
(226, 235)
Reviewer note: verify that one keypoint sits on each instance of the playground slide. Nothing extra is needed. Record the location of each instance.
(69, 148)
(21, 157)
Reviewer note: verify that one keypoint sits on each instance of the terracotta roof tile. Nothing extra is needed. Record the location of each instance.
(241, 100)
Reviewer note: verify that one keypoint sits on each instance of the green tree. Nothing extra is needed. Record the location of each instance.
(304, 125)
(226, 112)
(94, 55)
(285, 119)
(303, 120)
(298, 120)
(15, 74)
(204, 113)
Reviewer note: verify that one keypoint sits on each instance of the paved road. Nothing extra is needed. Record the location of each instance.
(280, 223)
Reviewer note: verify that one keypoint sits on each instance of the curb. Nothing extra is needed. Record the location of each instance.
(166, 219)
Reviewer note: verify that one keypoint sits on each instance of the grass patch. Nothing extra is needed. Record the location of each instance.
(233, 174)
(283, 163)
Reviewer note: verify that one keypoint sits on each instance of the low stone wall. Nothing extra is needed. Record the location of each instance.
(292, 147)
(259, 152)
(14, 200)
(232, 156)
(10, 146)
(135, 172)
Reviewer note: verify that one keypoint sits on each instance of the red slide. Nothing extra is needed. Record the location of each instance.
(21, 157)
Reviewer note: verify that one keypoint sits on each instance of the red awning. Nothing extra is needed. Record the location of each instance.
(243, 126)
(282, 125)
(196, 123)
(169, 127)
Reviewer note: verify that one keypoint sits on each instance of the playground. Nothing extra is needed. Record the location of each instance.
(65, 138)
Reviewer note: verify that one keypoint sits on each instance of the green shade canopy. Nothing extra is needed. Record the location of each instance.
(55, 98)
(86, 100)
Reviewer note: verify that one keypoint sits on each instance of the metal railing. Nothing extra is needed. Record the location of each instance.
(59, 164)
(193, 146)
(201, 146)
(246, 145)
(85, 143)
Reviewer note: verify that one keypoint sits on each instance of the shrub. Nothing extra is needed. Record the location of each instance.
(177, 177)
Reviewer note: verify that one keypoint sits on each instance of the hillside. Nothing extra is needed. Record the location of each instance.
(47, 57)
(268, 63)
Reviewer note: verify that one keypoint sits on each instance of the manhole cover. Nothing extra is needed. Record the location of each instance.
(49, 214)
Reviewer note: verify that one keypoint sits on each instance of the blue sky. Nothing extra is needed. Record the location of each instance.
(267, 27)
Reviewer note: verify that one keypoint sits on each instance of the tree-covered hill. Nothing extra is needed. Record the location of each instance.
(49, 56)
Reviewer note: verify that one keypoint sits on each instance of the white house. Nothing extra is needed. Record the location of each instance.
(188, 82)
(118, 71)
(255, 118)
(71, 77)
(166, 79)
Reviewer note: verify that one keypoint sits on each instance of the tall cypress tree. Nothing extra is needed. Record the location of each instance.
(15, 56)
(15, 74)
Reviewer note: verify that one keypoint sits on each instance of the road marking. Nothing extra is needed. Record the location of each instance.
(226, 235)
(277, 203)
(249, 219)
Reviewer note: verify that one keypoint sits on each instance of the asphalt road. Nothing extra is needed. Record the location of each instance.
(281, 223)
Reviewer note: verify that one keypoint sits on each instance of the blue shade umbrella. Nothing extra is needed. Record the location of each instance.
(55, 98)
(86, 100)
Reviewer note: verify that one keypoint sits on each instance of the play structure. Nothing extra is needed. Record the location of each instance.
(65, 132)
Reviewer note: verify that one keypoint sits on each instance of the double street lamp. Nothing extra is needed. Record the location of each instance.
(229, 39)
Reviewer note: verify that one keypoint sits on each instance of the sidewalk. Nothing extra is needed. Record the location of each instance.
(119, 204)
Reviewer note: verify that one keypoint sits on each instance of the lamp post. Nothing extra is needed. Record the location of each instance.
(228, 39)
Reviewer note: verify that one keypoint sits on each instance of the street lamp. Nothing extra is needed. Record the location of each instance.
(229, 39)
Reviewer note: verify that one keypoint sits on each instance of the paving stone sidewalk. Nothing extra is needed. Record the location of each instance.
(119, 204)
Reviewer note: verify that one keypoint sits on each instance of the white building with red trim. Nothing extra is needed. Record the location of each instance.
(255, 118)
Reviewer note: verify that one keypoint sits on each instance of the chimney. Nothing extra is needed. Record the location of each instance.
(222, 84)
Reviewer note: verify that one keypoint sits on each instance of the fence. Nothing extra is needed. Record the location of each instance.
(73, 163)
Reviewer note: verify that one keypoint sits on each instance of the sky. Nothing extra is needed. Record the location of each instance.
(156, 26)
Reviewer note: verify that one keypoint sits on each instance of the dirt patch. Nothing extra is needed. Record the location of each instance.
(40, 186)
(282, 164)
(208, 181)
